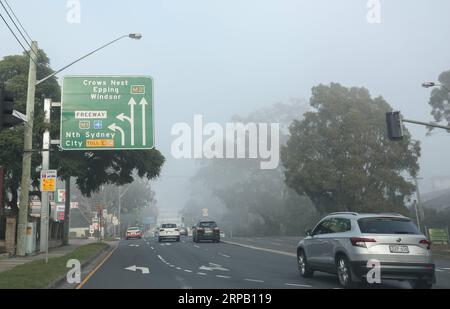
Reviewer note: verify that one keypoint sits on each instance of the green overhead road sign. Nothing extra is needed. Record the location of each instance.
(107, 113)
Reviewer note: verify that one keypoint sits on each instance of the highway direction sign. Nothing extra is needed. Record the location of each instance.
(107, 113)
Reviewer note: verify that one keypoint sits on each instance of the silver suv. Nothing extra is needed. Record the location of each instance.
(344, 243)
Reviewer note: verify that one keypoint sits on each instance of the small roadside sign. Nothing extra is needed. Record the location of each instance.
(61, 196)
(438, 236)
(205, 212)
(48, 180)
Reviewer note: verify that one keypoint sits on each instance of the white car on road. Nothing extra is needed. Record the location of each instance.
(168, 231)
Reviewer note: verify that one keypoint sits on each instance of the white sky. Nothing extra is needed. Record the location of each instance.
(225, 57)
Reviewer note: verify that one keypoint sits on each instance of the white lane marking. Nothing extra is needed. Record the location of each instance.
(225, 277)
(152, 248)
(445, 268)
(224, 255)
(179, 268)
(254, 280)
(172, 266)
(439, 270)
(201, 274)
(134, 268)
(213, 267)
(196, 246)
(188, 271)
(299, 285)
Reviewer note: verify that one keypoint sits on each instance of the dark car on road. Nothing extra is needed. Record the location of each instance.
(206, 230)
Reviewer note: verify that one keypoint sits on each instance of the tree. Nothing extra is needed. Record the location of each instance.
(14, 75)
(339, 155)
(440, 99)
(256, 202)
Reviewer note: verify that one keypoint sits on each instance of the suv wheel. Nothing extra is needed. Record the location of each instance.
(344, 272)
(305, 270)
(421, 284)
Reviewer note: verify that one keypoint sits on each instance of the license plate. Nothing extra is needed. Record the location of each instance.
(399, 249)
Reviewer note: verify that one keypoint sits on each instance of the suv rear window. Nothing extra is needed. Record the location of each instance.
(387, 226)
(168, 226)
(208, 224)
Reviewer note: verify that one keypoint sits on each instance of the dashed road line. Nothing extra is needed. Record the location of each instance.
(179, 268)
(254, 280)
(196, 246)
(298, 285)
(188, 271)
(201, 274)
(225, 277)
(224, 255)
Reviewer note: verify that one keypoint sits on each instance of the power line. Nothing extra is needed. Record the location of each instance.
(18, 29)
(17, 39)
(18, 20)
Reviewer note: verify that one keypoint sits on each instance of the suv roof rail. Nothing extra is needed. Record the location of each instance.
(391, 213)
(344, 213)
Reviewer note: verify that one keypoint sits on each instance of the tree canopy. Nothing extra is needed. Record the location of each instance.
(339, 155)
(440, 99)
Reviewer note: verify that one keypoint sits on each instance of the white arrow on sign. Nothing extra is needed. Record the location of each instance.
(132, 103)
(143, 105)
(135, 268)
(115, 127)
(213, 267)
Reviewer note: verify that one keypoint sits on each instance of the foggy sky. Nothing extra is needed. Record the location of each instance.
(220, 58)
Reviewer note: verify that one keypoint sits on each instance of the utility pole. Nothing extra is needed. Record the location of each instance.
(66, 212)
(26, 162)
(45, 166)
(419, 201)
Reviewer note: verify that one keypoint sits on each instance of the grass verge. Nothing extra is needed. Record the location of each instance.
(38, 275)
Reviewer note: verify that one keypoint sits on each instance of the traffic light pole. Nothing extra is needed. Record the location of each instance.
(45, 166)
(26, 162)
(426, 124)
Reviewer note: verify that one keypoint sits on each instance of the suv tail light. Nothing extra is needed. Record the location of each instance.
(426, 243)
(361, 242)
(216, 229)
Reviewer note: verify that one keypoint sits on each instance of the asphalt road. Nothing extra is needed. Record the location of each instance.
(188, 265)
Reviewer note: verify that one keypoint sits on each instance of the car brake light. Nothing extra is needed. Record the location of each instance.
(425, 242)
(361, 242)
(216, 229)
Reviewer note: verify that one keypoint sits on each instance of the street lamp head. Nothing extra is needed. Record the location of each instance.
(429, 84)
(135, 36)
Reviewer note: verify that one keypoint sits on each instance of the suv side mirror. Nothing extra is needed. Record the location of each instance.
(308, 233)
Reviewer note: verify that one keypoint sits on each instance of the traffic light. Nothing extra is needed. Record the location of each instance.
(394, 126)
(7, 117)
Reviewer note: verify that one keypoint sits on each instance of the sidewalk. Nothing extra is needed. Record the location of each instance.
(9, 263)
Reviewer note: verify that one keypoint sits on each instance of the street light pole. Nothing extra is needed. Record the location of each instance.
(26, 161)
(135, 36)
